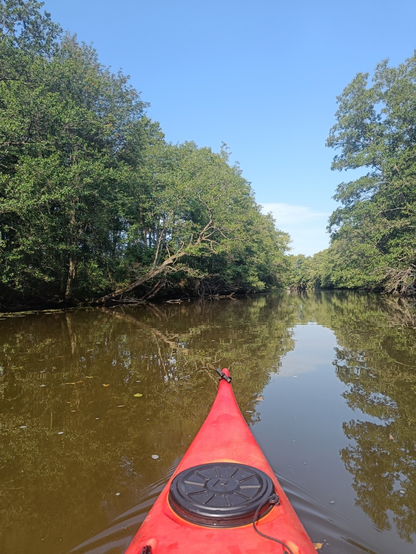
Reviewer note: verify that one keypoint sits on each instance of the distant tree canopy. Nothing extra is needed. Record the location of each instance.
(94, 203)
(374, 230)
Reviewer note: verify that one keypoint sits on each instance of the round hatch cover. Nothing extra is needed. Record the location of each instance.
(220, 494)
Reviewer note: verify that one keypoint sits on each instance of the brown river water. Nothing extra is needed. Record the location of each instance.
(97, 407)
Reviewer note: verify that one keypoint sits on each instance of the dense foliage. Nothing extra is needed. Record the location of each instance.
(374, 229)
(94, 203)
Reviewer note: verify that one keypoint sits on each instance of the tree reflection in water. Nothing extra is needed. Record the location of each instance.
(77, 372)
(73, 433)
(377, 361)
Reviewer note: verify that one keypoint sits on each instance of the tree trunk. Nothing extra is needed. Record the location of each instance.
(164, 267)
(72, 271)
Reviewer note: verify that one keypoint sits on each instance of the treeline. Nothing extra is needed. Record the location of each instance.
(373, 232)
(94, 203)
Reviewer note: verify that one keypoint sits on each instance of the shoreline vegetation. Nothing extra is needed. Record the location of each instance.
(97, 208)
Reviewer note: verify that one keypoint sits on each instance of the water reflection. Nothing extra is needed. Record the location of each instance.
(77, 442)
(376, 360)
(75, 433)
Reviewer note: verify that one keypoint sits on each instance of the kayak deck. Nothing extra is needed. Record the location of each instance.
(224, 438)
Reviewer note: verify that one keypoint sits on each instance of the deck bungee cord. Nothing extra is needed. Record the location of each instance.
(273, 499)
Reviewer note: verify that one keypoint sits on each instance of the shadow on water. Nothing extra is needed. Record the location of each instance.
(98, 406)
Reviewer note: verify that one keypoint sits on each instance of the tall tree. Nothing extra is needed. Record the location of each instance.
(374, 231)
(67, 130)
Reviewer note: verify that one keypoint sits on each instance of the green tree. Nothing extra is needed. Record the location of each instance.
(94, 203)
(373, 232)
(68, 127)
(312, 272)
(24, 27)
(203, 223)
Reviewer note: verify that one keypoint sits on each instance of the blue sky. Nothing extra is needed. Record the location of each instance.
(259, 75)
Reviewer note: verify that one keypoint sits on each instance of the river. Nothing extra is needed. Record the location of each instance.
(97, 406)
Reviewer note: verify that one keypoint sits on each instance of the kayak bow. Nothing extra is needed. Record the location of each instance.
(224, 496)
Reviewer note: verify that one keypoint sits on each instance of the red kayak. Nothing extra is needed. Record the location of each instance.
(224, 497)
